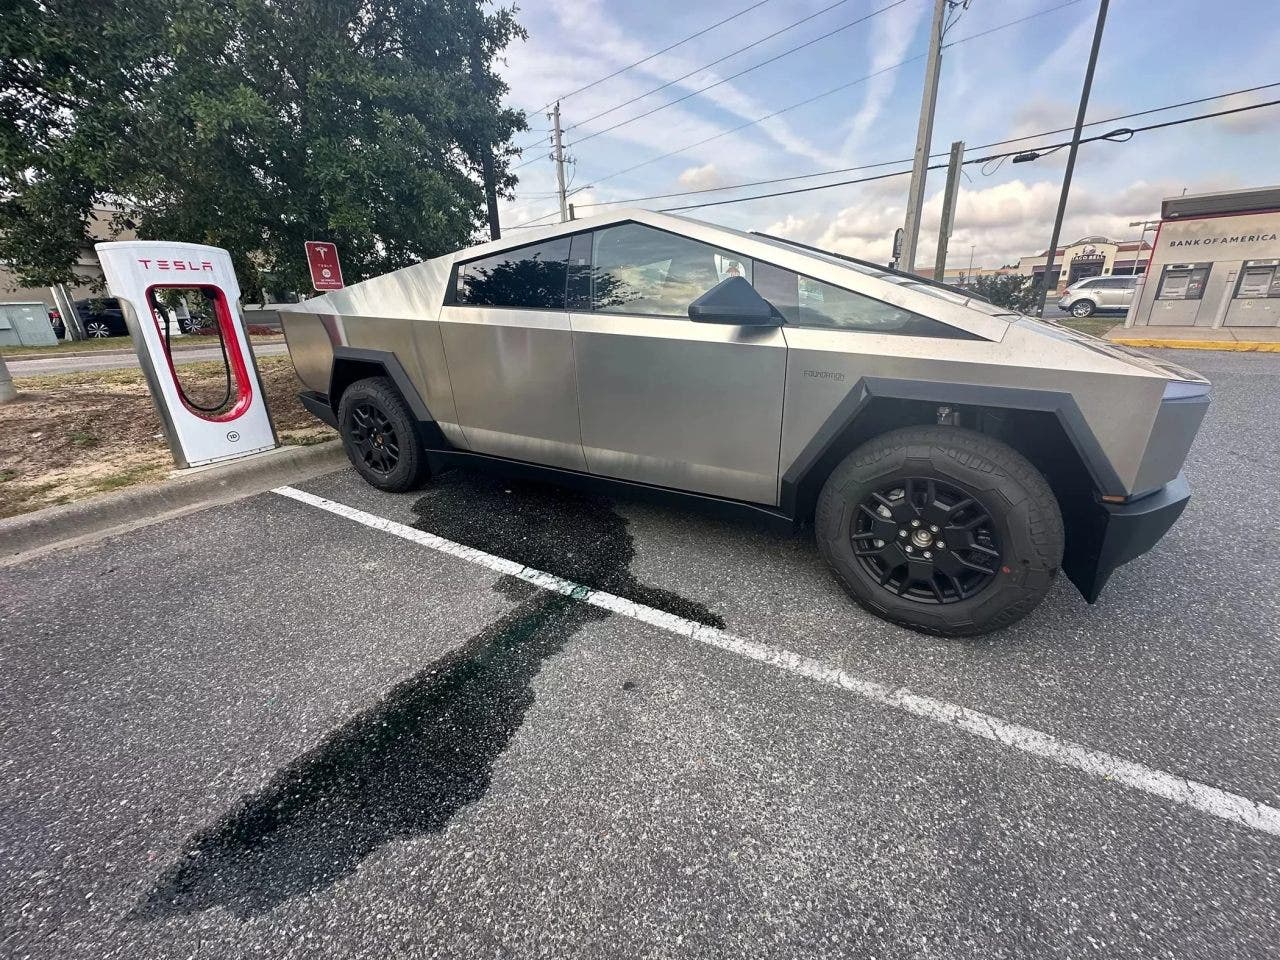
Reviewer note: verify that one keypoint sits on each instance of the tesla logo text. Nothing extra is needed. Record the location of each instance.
(825, 374)
(176, 264)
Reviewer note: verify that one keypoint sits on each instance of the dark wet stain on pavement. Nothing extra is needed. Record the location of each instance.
(577, 536)
(404, 767)
(398, 770)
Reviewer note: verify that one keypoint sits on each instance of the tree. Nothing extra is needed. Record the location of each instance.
(1009, 290)
(251, 125)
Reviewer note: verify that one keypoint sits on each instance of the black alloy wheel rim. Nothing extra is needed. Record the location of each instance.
(926, 540)
(374, 438)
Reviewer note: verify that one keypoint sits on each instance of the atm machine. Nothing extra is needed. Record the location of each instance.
(1180, 296)
(157, 282)
(1255, 301)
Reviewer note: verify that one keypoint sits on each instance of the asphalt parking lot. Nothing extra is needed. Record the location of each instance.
(267, 729)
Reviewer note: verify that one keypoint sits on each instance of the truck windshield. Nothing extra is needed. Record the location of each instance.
(942, 291)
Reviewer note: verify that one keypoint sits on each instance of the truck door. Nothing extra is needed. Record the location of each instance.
(662, 399)
(509, 348)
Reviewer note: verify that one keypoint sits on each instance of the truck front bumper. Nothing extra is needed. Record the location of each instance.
(1111, 534)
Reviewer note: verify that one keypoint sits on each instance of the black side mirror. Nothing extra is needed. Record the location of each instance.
(734, 300)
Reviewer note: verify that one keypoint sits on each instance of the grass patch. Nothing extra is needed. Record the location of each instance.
(83, 438)
(6, 475)
(1094, 326)
(127, 478)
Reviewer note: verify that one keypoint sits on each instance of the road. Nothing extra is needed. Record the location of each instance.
(390, 748)
(125, 360)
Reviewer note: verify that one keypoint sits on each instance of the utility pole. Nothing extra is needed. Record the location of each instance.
(948, 208)
(924, 136)
(559, 159)
(1071, 154)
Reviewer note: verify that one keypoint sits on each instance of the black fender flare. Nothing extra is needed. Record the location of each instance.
(1085, 518)
(355, 363)
(351, 360)
(1059, 403)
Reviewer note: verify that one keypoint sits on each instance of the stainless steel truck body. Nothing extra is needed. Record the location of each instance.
(672, 357)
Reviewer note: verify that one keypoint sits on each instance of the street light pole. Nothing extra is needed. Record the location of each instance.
(1142, 239)
(1071, 154)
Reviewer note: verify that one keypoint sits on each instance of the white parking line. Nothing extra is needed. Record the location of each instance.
(1188, 793)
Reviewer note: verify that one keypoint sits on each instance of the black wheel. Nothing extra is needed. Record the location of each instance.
(940, 529)
(380, 435)
(1083, 308)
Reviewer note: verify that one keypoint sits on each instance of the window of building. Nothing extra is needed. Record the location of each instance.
(531, 277)
(806, 302)
(637, 269)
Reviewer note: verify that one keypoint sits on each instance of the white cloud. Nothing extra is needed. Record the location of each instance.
(888, 43)
(704, 177)
(1002, 222)
(1252, 121)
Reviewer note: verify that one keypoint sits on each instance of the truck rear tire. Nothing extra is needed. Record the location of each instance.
(380, 435)
(940, 529)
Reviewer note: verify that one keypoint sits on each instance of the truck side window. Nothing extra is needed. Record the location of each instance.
(531, 277)
(637, 269)
(806, 302)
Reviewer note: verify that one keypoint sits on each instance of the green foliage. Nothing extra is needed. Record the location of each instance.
(252, 125)
(1008, 290)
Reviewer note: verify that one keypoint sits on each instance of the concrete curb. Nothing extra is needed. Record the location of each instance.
(25, 536)
(1238, 346)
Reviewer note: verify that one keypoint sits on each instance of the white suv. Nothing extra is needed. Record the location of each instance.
(1084, 298)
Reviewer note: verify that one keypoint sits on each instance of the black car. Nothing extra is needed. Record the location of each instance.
(102, 317)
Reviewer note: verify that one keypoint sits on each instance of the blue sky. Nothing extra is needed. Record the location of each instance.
(1019, 80)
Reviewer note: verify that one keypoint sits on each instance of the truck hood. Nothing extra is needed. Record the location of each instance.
(1115, 351)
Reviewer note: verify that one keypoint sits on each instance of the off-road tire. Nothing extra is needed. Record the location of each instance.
(1083, 308)
(1015, 496)
(410, 470)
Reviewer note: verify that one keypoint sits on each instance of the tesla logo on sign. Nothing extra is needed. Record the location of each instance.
(175, 264)
(326, 272)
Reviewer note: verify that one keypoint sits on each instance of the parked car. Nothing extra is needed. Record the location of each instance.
(950, 455)
(55, 321)
(102, 317)
(1084, 298)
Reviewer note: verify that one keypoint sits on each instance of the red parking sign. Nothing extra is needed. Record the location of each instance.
(322, 258)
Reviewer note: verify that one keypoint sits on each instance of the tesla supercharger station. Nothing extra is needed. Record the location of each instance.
(138, 273)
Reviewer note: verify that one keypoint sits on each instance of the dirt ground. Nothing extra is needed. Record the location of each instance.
(71, 436)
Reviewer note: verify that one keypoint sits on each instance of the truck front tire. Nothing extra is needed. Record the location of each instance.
(940, 529)
(380, 435)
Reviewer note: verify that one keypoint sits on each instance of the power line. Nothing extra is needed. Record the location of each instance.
(825, 93)
(889, 163)
(656, 53)
(1040, 150)
(1119, 135)
(732, 53)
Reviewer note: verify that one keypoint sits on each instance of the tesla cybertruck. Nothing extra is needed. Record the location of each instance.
(950, 455)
